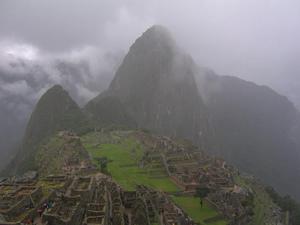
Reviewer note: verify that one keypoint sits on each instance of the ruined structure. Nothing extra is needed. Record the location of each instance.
(87, 200)
(191, 169)
(81, 195)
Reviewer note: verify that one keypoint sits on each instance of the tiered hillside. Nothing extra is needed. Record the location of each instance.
(62, 153)
(183, 171)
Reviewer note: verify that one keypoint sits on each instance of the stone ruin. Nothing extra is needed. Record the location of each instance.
(65, 211)
(186, 165)
(16, 201)
(90, 198)
(85, 200)
(191, 169)
(97, 210)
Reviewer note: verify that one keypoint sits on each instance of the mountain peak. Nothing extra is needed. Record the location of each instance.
(155, 39)
(158, 31)
(56, 90)
(55, 111)
(56, 87)
(156, 84)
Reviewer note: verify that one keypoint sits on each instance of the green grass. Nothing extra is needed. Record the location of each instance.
(123, 165)
(262, 205)
(262, 201)
(54, 152)
(48, 186)
(191, 205)
(124, 159)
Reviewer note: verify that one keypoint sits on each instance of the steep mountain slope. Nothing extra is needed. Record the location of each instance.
(109, 111)
(54, 112)
(156, 84)
(257, 128)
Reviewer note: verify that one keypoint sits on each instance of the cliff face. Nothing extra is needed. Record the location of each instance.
(156, 85)
(108, 111)
(258, 129)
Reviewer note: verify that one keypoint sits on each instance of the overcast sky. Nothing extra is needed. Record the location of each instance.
(258, 40)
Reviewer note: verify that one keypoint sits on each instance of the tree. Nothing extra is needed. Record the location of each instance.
(102, 161)
(202, 192)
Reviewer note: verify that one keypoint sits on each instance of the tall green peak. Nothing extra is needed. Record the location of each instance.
(54, 112)
(156, 85)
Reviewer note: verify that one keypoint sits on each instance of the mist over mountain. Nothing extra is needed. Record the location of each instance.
(81, 48)
(252, 39)
(156, 84)
(251, 126)
(131, 112)
(26, 73)
(258, 129)
(54, 112)
(160, 88)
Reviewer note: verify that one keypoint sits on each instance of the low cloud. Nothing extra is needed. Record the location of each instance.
(26, 72)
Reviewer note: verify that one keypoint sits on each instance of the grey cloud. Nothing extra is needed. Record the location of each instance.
(253, 39)
(26, 73)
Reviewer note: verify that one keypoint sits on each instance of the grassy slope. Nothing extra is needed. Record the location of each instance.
(192, 207)
(262, 201)
(47, 157)
(51, 156)
(123, 165)
(125, 154)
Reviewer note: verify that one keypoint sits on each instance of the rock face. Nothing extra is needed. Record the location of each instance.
(258, 129)
(156, 85)
(109, 111)
(54, 112)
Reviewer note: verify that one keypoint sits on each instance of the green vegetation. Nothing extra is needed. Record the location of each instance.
(54, 112)
(47, 158)
(123, 160)
(202, 192)
(108, 111)
(123, 154)
(263, 203)
(287, 204)
(52, 156)
(192, 207)
(48, 186)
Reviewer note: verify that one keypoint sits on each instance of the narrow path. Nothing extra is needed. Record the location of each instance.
(165, 164)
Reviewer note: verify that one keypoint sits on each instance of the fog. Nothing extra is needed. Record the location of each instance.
(253, 39)
(79, 44)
